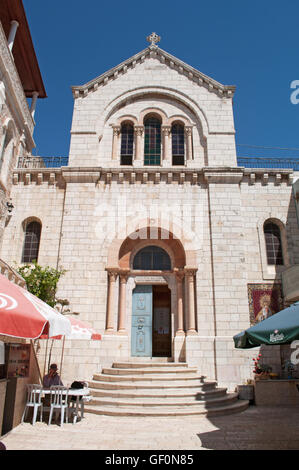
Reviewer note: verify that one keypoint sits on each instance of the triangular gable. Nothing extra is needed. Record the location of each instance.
(164, 57)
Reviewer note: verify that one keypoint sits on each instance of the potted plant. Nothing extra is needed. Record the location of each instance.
(261, 371)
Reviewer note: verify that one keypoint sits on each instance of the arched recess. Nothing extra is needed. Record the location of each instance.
(120, 101)
(148, 236)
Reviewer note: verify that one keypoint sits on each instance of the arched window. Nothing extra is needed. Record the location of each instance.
(273, 243)
(31, 242)
(152, 141)
(127, 143)
(178, 144)
(152, 258)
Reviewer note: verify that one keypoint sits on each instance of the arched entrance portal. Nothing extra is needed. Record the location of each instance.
(152, 288)
(151, 307)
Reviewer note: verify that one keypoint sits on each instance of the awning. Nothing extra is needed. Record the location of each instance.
(22, 315)
(280, 328)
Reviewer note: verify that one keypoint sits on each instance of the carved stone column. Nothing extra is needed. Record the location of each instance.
(112, 276)
(190, 273)
(116, 134)
(188, 133)
(139, 143)
(180, 324)
(122, 302)
(166, 132)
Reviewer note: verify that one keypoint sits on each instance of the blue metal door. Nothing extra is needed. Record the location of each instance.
(142, 313)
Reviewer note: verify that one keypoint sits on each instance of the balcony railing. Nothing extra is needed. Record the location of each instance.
(264, 162)
(42, 162)
(247, 162)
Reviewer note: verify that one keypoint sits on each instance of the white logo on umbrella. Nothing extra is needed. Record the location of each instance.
(4, 301)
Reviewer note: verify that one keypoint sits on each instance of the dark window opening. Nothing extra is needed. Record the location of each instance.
(273, 244)
(152, 258)
(31, 242)
(152, 141)
(127, 144)
(178, 144)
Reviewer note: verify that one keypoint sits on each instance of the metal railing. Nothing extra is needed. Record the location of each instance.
(247, 162)
(42, 162)
(264, 162)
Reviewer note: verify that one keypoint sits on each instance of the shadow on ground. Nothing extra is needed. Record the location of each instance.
(257, 428)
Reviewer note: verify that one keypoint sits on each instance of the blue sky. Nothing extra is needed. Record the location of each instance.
(252, 44)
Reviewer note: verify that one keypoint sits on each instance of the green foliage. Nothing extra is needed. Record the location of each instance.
(41, 281)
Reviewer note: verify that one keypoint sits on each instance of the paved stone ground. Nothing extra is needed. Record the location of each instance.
(263, 428)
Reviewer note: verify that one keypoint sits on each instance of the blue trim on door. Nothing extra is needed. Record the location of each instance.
(142, 318)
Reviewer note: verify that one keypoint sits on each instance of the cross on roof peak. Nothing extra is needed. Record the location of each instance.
(153, 39)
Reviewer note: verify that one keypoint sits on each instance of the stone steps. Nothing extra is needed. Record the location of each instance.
(158, 388)
(154, 393)
(150, 370)
(154, 402)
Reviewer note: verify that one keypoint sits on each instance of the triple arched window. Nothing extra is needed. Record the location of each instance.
(155, 139)
(273, 243)
(31, 242)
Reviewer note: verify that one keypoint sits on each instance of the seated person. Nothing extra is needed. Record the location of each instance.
(52, 378)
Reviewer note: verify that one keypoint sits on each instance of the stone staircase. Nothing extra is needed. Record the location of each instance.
(158, 389)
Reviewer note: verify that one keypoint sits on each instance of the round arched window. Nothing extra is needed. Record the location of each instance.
(152, 258)
(273, 243)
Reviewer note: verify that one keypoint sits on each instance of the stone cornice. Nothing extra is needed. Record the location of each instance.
(13, 82)
(164, 57)
(153, 175)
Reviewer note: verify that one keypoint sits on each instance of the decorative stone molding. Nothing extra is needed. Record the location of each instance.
(145, 175)
(164, 57)
(223, 175)
(52, 178)
(265, 178)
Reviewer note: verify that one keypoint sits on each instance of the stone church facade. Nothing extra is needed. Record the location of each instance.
(160, 232)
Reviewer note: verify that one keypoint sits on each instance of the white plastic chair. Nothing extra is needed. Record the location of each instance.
(59, 401)
(34, 397)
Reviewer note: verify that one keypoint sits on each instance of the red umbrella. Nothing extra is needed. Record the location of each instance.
(79, 330)
(22, 315)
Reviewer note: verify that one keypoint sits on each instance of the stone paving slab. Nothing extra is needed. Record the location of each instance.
(256, 428)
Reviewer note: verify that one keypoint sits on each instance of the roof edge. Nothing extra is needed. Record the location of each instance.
(156, 52)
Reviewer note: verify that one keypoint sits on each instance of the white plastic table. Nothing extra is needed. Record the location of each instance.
(76, 392)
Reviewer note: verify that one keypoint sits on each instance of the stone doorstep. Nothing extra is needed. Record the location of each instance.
(150, 370)
(138, 365)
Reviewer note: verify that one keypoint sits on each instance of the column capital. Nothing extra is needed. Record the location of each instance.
(188, 130)
(112, 274)
(179, 274)
(139, 130)
(116, 129)
(190, 272)
(166, 130)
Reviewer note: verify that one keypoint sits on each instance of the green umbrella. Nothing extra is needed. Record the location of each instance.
(280, 328)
